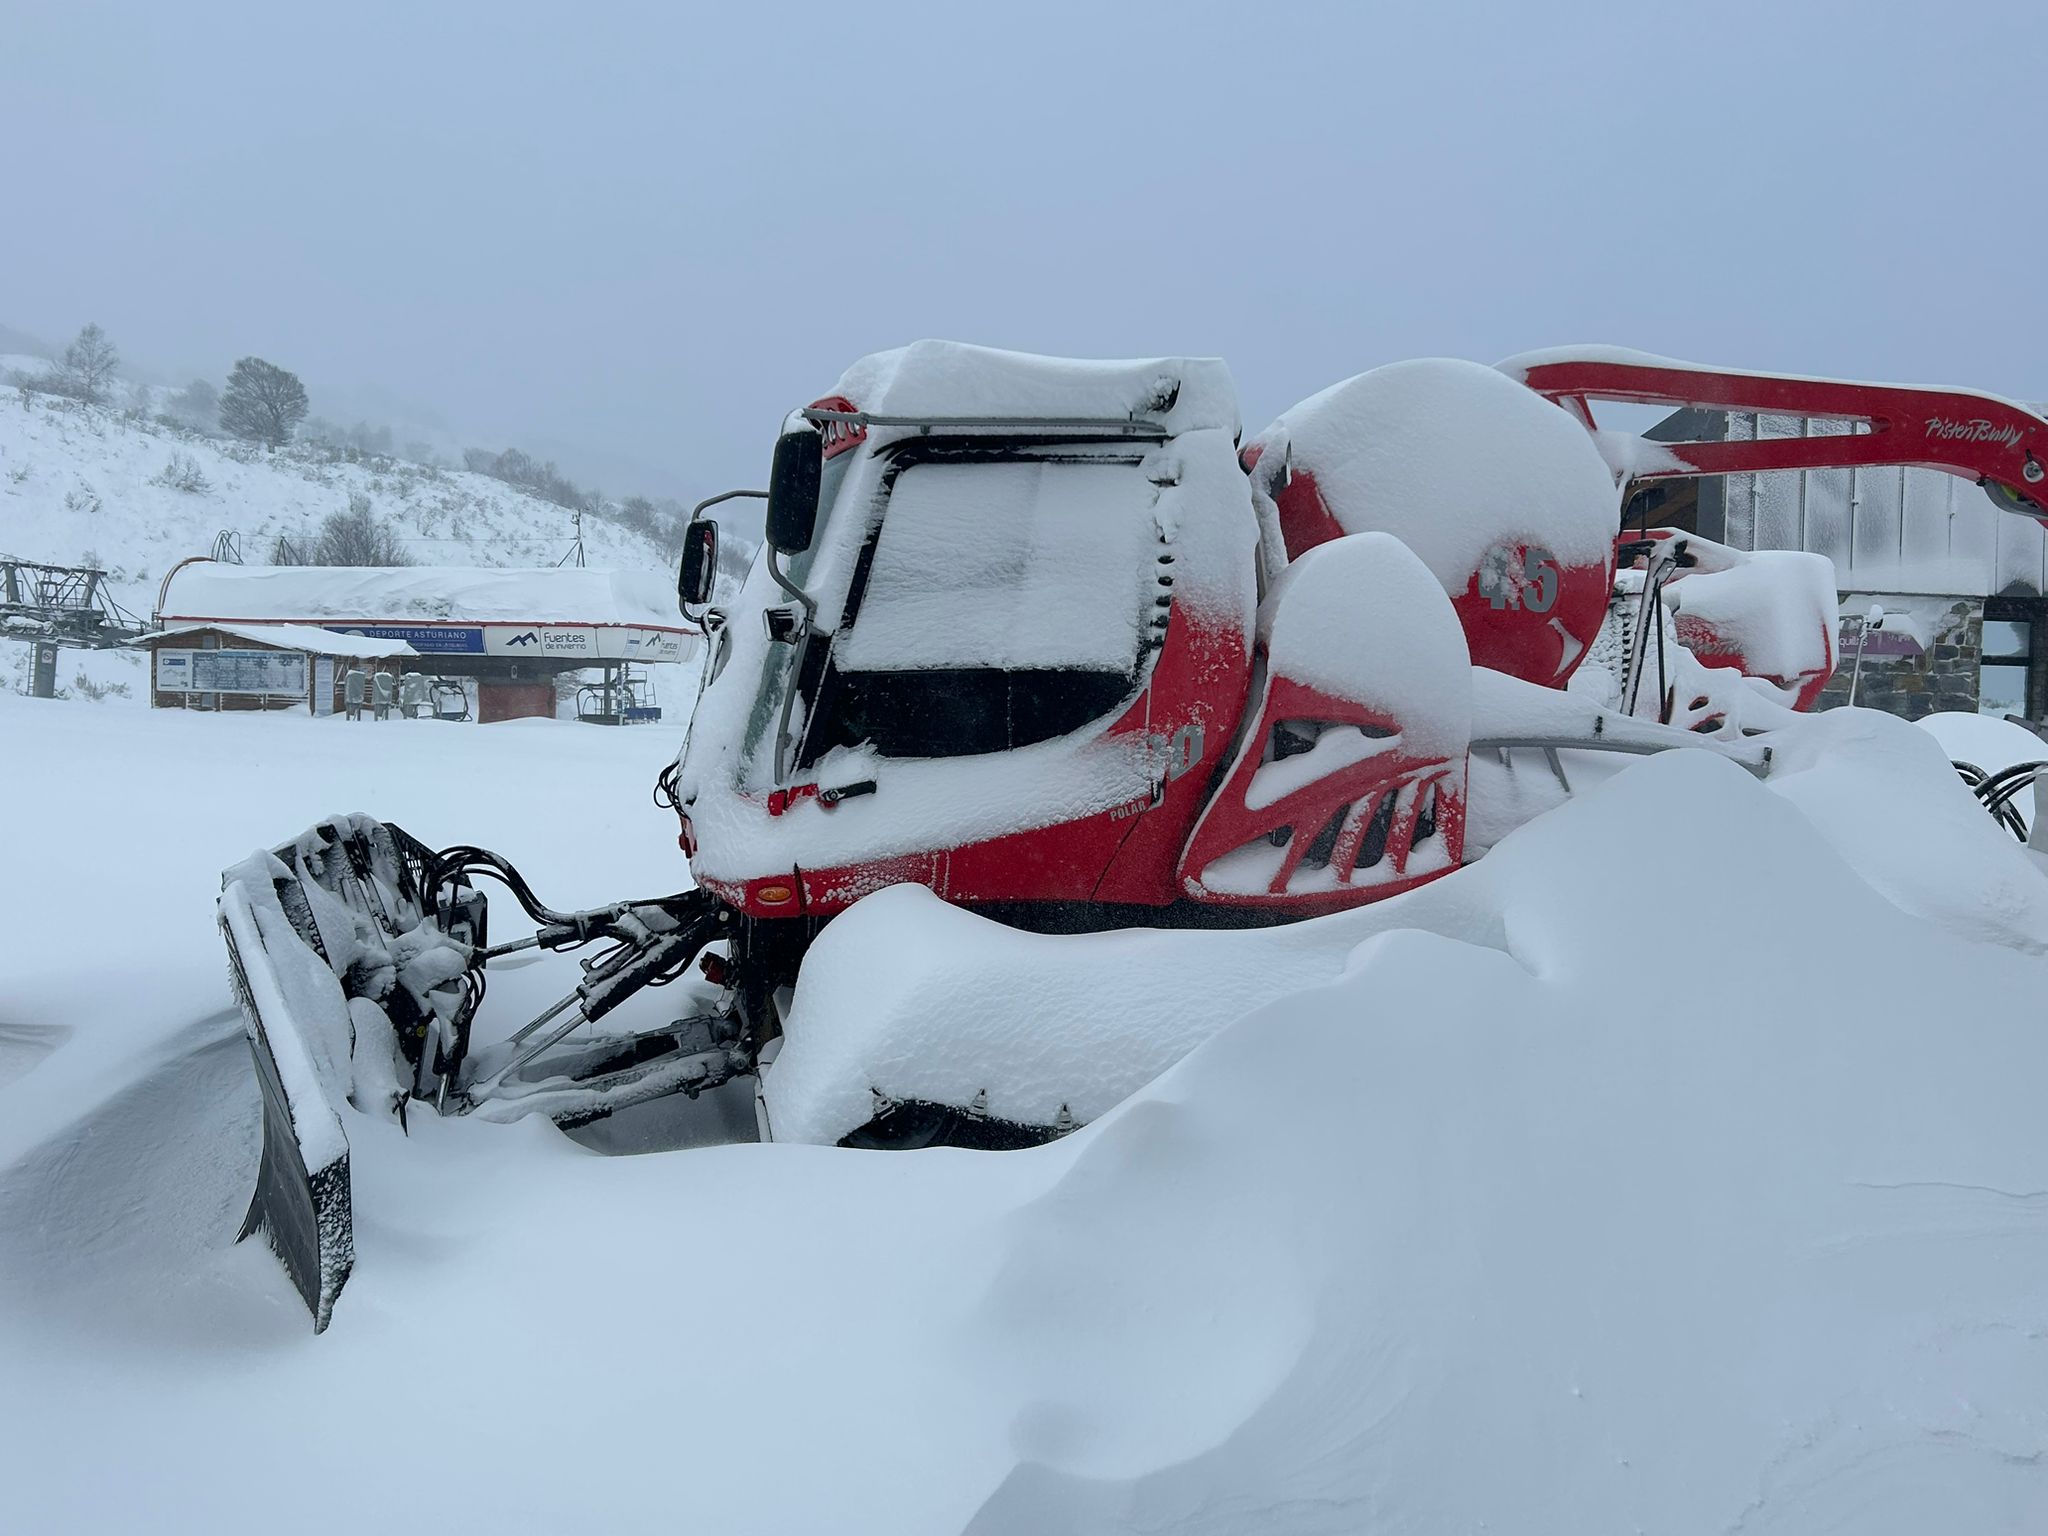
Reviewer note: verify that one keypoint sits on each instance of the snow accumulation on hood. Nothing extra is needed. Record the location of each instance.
(1777, 609)
(951, 378)
(1451, 457)
(1677, 1167)
(1009, 565)
(421, 594)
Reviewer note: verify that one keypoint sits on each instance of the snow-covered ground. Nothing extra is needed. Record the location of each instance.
(1679, 1167)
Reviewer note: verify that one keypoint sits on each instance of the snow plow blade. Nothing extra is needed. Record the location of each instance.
(357, 955)
(311, 930)
(301, 1203)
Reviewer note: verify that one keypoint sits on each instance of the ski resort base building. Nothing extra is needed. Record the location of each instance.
(505, 638)
(260, 666)
(1960, 583)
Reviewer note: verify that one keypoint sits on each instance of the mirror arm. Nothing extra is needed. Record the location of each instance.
(781, 580)
(712, 501)
(698, 511)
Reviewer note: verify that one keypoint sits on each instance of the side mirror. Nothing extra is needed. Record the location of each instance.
(699, 564)
(793, 485)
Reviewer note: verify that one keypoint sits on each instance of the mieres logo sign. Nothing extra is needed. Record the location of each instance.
(1975, 430)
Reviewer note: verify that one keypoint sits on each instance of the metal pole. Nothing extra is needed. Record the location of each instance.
(1855, 504)
(1902, 517)
(1756, 493)
(1805, 480)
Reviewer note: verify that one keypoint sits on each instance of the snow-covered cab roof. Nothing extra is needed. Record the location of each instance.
(949, 379)
(209, 590)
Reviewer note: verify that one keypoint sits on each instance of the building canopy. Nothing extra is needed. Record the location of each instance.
(561, 616)
(300, 637)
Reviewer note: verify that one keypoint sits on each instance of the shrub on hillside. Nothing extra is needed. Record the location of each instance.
(531, 475)
(355, 537)
(182, 473)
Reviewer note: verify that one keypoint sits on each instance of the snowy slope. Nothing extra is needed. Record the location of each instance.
(81, 485)
(1591, 1192)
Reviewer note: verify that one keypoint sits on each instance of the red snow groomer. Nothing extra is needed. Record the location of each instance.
(1049, 639)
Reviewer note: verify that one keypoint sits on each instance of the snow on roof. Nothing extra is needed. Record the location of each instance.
(207, 590)
(1452, 458)
(951, 378)
(304, 637)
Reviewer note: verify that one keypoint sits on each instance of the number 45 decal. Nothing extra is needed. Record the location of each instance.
(1533, 587)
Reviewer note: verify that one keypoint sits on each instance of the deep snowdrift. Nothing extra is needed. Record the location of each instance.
(1678, 1167)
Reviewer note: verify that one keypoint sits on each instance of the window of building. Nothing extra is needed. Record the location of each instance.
(2006, 662)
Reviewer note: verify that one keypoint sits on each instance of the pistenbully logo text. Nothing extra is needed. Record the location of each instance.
(1975, 430)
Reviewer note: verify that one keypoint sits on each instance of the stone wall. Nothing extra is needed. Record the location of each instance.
(1938, 672)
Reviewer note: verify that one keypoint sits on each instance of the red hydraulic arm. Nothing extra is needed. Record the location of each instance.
(2001, 446)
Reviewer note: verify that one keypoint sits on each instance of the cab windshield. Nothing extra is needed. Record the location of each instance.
(1002, 599)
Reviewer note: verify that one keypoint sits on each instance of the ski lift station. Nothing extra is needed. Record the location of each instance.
(237, 637)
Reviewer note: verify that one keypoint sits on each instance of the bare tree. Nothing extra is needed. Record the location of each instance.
(262, 403)
(89, 364)
(355, 537)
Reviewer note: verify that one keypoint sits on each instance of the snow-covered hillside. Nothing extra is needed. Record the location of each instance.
(92, 485)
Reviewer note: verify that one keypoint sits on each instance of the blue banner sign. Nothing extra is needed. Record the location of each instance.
(427, 639)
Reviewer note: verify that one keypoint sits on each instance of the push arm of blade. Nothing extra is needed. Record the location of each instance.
(631, 922)
(609, 986)
(649, 959)
(531, 941)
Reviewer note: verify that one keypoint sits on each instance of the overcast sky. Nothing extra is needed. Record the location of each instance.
(637, 235)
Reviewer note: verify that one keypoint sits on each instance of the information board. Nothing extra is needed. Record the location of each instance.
(282, 672)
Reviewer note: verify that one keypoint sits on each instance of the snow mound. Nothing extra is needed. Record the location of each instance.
(1359, 619)
(1083, 1022)
(1775, 612)
(1532, 1242)
(1451, 457)
(1679, 1166)
(1989, 742)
